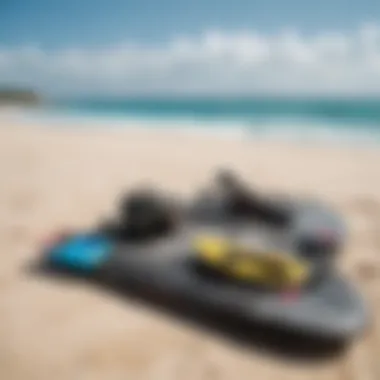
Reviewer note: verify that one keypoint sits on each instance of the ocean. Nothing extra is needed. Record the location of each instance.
(339, 120)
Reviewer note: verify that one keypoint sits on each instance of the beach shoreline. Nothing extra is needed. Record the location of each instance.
(70, 177)
(282, 131)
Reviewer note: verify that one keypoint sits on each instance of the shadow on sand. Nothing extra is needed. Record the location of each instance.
(284, 345)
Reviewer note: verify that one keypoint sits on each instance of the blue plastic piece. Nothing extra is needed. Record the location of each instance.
(81, 252)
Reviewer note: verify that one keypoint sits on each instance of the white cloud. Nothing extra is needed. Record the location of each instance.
(214, 62)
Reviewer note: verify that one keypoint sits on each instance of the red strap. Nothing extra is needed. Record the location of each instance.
(327, 235)
(291, 295)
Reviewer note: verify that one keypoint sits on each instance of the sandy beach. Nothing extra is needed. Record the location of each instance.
(55, 178)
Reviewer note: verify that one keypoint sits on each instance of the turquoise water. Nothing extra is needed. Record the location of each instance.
(335, 111)
(338, 119)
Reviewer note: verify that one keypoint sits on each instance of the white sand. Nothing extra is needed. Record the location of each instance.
(58, 178)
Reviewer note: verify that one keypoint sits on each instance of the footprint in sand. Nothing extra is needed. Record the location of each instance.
(18, 233)
(21, 202)
(368, 271)
(369, 209)
(366, 206)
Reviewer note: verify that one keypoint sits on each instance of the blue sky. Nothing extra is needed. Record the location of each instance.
(57, 23)
(191, 46)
